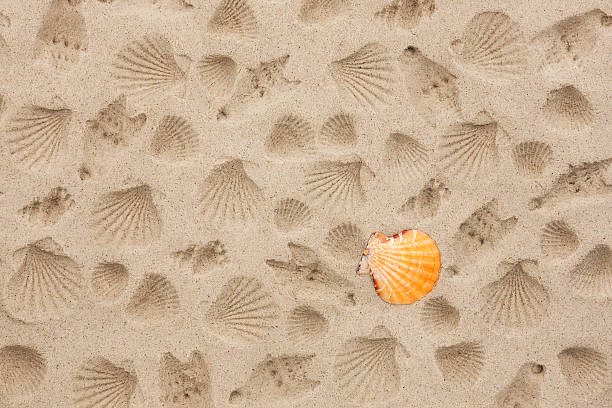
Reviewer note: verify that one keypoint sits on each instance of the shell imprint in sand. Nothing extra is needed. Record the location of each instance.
(22, 370)
(525, 388)
(185, 385)
(100, 383)
(404, 267)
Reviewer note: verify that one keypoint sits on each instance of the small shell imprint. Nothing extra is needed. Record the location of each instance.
(22, 370)
(404, 267)
(585, 369)
(101, 384)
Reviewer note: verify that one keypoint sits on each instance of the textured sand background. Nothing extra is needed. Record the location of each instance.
(94, 328)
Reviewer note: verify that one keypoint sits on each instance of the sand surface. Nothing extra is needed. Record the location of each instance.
(521, 315)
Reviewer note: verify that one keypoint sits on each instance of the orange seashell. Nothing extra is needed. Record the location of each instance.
(404, 267)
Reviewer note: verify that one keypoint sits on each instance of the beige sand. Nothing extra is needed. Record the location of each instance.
(539, 337)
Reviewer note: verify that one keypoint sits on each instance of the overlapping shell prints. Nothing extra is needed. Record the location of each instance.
(195, 197)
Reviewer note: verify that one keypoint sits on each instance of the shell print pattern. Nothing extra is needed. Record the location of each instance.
(404, 267)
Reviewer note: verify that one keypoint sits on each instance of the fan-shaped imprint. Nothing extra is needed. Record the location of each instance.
(404, 267)
(63, 34)
(439, 316)
(175, 139)
(492, 45)
(337, 183)
(432, 89)
(524, 390)
(234, 17)
(291, 214)
(567, 108)
(586, 179)
(38, 136)
(484, 228)
(47, 285)
(593, 274)
(367, 74)
(49, 209)
(366, 368)
(339, 132)
(22, 371)
(229, 194)
(470, 149)
(149, 65)
(218, 73)
(460, 364)
(532, 158)
(345, 242)
(318, 11)
(185, 385)
(426, 203)
(244, 310)
(571, 39)
(405, 14)
(306, 325)
(155, 299)
(127, 216)
(558, 239)
(406, 157)
(109, 281)
(101, 384)
(291, 137)
(585, 369)
(276, 379)
(517, 299)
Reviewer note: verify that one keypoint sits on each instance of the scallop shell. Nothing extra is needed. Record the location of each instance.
(229, 194)
(366, 368)
(585, 369)
(291, 137)
(593, 274)
(306, 325)
(101, 384)
(532, 158)
(218, 73)
(291, 214)
(244, 310)
(439, 316)
(37, 136)
(470, 149)
(174, 139)
(558, 239)
(406, 157)
(234, 17)
(109, 281)
(344, 243)
(318, 11)
(127, 216)
(460, 364)
(517, 299)
(366, 75)
(405, 14)
(47, 285)
(148, 66)
(404, 268)
(339, 132)
(337, 183)
(492, 45)
(567, 108)
(155, 298)
(525, 388)
(22, 371)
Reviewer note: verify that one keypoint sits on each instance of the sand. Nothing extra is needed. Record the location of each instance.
(186, 193)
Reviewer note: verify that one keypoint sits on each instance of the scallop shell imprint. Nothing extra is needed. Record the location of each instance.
(405, 14)
(339, 132)
(109, 281)
(532, 158)
(366, 75)
(185, 385)
(229, 194)
(318, 11)
(218, 73)
(404, 268)
(175, 139)
(127, 216)
(558, 239)
(47, 285)
(344, 243)
(592, 277)
(585, 370)
(22, 371)
(439, 316)
(101, 384)
(461, 363)
(37, 136)
(568, 109)
(291, 137)
(306, 325)
(155, 299)
(406, 157)
(291, 214)
(492, 45)
(366, 368)
(244, 310)
(149, 65)
(234, 17)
